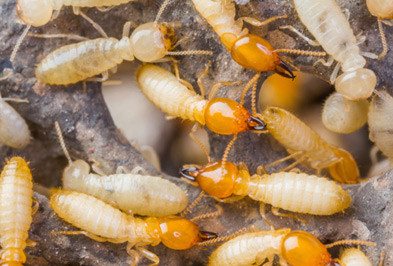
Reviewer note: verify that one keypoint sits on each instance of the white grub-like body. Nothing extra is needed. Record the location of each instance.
(166, 92)
(14, 131)
(140, 194)
(382, 9)
(342, 115)
(354, 257)
(76, 62)
(98, 218)
(221, 16)
(16, 198)
(248, 249)
(328, 24)
(380, 122)
(301, 193)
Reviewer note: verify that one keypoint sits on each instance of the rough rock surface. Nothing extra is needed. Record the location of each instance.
(91, 134)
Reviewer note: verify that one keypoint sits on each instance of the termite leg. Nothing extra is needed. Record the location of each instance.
(208, 215)
(291, 156)
(55, 14)
(383, 40)
(327, 63)
(262, 212)
(179, 42)
(277, 212)
(150, 154)
(334, 74)
(138, 170)
(105, 76)
(382, 258)
(374, 154)
(96, 167)
(123, 170)
(199, 142)
(260, 23)
(149, 255)
(294, 164)
(193, 204)
(77, 11)
(175, 65)
(127, 28)
(219, 85)
(261, 170)
(301, 35)
(388, 22)
(31, 243)
(351, 242)
(90, 235)
(104, 9)
(15, 100)
(200, 78)
(295, 170)
(35, 207)
(133, 254)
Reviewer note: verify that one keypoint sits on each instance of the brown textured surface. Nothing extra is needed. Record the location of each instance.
(90, 132)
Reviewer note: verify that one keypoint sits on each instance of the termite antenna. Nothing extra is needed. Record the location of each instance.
(18, 43)
(62, 143)
(228, 149)
(199, 142)
(254, 99)
(161, 10)
(383, 40)
(190, 52)
(208, 215)
(191, 206)
(247, 87)
(351, 242)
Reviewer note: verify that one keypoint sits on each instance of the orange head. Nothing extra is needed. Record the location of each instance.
(179, 233)
(346, 170)
(300, 248)
(227, 117)
(12, 257)
(253, 52)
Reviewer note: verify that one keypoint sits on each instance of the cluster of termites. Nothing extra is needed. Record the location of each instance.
(143, 210)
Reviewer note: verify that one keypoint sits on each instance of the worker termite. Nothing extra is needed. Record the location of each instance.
(383, 10)
(380, 124)
(295, 248)
(328, 24)
(220, 115)
(130, 192)
(102, 222)
(72, 63)
(354, 257)
(16, 199)
(342, 115)
(14, 131)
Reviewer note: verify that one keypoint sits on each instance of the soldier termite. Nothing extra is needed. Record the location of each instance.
(102, 222)
(328, 24)
(220, 115)
(295, 248)
(380, 122)
(131, 192)
(342, 115)
(16, 199)
(383, 10)
(72, 63)
(14, 131)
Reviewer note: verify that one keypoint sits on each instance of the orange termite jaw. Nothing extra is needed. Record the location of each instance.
(206, 235)
(284, 70)
(256, 123)
(189, 172)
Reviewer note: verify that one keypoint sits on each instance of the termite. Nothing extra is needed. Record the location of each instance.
(102, 222)
(16, 199)
(220, 115)
(342, 115)
(354, 257)
(380, 124)
(14, 131)
(295, 248)
(328, 24)
(131, 192)
(248, 50)
(383, 10)
(72, 63)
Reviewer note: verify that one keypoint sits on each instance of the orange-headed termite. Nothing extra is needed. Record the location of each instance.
(102, 222)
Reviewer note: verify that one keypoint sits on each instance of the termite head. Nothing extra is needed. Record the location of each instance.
(379, 10)
(300, 248)
(76, 170)
(346, 169)
(253, 52)
(12, 257)
(356, 84)
(152, 41)
(179, 233)
(227, 117)
(34, 12)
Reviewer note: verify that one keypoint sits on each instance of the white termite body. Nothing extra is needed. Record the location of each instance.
(354, 257)
(328, 24)
(14, 131)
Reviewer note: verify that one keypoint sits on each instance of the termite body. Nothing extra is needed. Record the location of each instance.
(220, 115)
(380, 123)
(102, 222)
(14, 131)
(296, 192)
(328, 24)
(16, 198)
(307, 146)
(295, 248)
(354, 257)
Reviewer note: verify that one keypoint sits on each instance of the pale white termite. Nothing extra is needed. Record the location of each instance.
(102, 222)
(130, 192)
(328, 24)
(380, 122)
(16, 198)
(354, 257)
(77, 62)
(14, 131)
(342, 115)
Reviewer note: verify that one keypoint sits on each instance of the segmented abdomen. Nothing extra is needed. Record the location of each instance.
(16, 197)
(143, 195)
(325, 20)
(14, 131)
(221, 16)
(163, 89)
(76, 62)
(90, 214)
(354, 257)
(300, 193)
(248, 249)
(94, 3)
